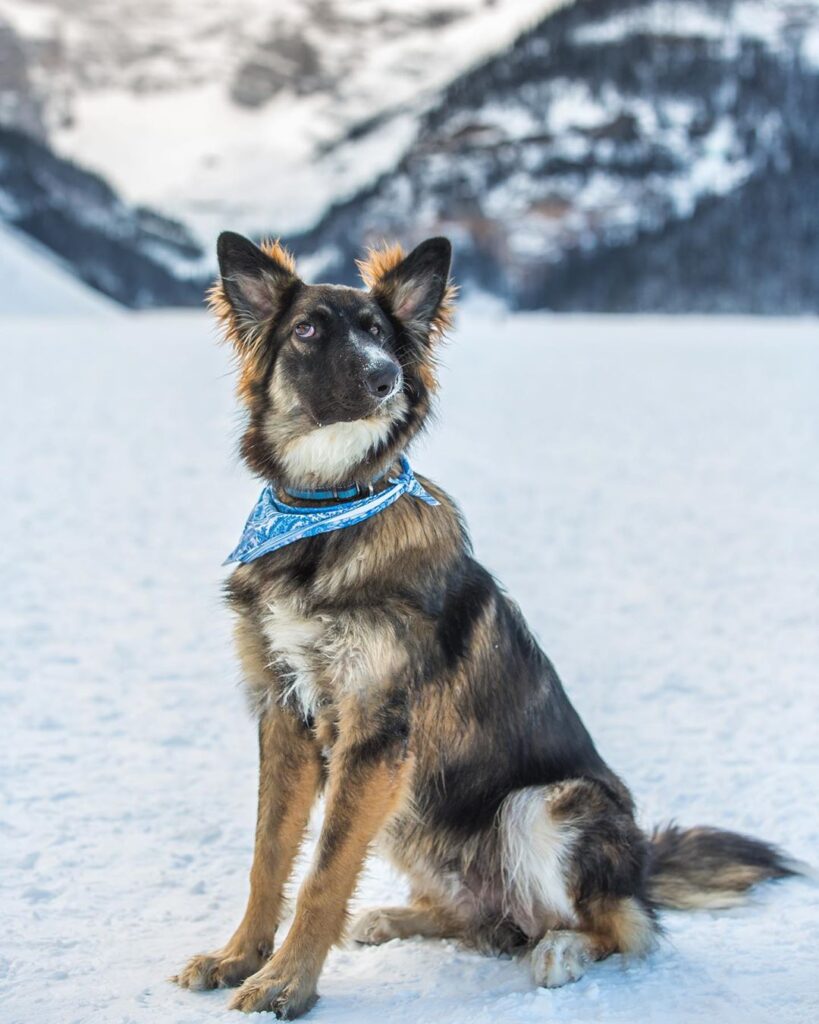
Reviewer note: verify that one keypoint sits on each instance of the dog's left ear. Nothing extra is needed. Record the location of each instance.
(416, 288)
(254, 285)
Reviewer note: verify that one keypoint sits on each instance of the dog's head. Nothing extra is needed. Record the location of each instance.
(336, 380)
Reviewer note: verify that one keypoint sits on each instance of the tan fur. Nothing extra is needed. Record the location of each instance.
(362, 652)
(612, 926)
(375, 270)
(436, 873)
(288, 781)
(320, 657)
(382, 924)
(620, 926)
(378, 262)
(385, 661)
(466, 889)
(409, 535)
(705, 868)
(246, 338)
(358, 803)
(719, 891)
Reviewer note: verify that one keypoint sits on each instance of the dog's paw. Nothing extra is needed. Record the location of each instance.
(560, 958)
(278, 986)
(223, 969)
(374, 927)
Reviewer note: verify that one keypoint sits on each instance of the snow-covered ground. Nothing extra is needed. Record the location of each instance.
(34, 281)
(666, 476)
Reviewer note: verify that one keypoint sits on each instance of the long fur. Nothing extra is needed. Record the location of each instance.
(376, 270)
(708, 868)
(536, 856)
(246, 335)
(388, 667)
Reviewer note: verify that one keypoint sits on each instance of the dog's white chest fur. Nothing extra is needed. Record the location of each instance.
(321, 657)
(293, 642)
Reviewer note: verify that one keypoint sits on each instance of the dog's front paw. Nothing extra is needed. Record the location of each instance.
(224, 968)
(281, 986)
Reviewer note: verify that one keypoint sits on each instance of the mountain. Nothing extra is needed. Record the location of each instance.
(131, 254)
(32, 281)
(616, 155)
(628, 155)
(252, 114)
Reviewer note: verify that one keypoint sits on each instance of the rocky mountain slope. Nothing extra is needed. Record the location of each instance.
(637, 154)
(253, 113)
(618, 155)
(130, 253)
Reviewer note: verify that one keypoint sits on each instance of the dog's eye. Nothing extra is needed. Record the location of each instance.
(304, 330)
(375, 330)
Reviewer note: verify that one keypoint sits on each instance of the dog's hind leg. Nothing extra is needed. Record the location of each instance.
(560, 957)
(381, 924)
(574, 869)
(289, 774)
(615, 926)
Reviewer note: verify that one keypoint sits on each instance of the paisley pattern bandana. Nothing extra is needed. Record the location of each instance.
(272, 524)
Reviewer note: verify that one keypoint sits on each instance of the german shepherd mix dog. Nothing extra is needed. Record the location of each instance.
(390, 671)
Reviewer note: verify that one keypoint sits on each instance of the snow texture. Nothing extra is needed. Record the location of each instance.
(667, 561)
(33, 281)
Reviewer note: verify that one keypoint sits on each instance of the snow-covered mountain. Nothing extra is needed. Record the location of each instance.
(639, 154)
(618, 154)
(251, 113)
(132, 254)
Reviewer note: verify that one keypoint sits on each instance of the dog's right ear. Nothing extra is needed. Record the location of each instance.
(255, 284)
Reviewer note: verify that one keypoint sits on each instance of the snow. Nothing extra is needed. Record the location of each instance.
(546, 211)
(33, 281)
(677, 18)
(767, 21)
(665, 476)
(32, 20)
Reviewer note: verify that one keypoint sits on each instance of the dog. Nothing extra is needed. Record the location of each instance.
(390, 672)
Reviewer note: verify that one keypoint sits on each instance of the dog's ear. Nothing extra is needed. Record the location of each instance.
(416, 289)
(253, 286)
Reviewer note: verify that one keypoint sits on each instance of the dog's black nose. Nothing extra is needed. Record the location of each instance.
(381, 380)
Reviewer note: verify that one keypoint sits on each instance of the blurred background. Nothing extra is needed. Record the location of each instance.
(601, 155)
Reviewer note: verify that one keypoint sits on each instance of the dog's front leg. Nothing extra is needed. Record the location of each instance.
(368, 773)
(289, 774)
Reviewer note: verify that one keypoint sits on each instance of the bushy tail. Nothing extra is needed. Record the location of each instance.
(706, 867)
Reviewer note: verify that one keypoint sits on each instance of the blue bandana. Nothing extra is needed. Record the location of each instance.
(273, 525)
